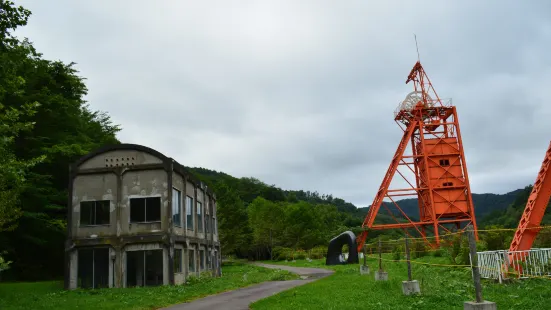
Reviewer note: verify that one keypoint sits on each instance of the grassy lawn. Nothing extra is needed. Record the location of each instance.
(441, 288)
(50, 295)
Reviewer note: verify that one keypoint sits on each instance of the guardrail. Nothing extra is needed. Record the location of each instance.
(502, 264)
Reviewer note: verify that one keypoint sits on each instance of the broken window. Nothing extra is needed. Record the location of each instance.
(147, 209)
(144, 268)
(93, 268)
(177, 260)
(199, 217)
(94, 212)
(191, 261)
(444, 162)
(202, 260)
(176, 207)
(189, 212)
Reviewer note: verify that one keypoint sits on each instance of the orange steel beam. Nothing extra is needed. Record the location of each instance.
(535, 208)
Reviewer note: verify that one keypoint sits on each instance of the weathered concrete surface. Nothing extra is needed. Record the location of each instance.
(241, 298)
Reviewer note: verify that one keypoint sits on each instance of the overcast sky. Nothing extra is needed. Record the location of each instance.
(301, 94)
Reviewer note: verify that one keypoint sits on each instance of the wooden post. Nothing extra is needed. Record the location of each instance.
(380, 256)
(408, 259)
(474, 264)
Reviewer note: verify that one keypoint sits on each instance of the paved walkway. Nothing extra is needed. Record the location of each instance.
(241, 298)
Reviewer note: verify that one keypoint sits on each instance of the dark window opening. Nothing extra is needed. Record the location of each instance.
(145, 209)
(448, 184)
(176, 207)
(199, 217)
(144, 268)
(189, 212)
(191, 261)
(202, 260)
(93, 268)
(94, 212)
(444, 162)
(177, 260)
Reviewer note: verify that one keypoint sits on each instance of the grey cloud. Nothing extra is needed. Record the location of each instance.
(301, 94)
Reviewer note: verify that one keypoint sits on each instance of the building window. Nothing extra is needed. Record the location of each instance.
(144, 268)
(176, 207)
(199, 216)
(147, 209)
(207, 223)
(189, 212)
(202, 259)
(177, 260)
(94, 212)
(444, 162)
(191, 261)
(93, 268)
(215, 228)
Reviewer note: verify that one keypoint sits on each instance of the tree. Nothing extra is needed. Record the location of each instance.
(265, 221)
(46, 125)
(232, 221)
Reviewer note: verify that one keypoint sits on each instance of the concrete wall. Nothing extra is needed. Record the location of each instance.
(136, 184)
(89, 188)
(117, 176)
(120, 158)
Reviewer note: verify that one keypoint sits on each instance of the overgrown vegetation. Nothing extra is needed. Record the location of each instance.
(50, 295)
(441, 288)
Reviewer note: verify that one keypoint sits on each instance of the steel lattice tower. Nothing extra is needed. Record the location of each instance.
(437, 162)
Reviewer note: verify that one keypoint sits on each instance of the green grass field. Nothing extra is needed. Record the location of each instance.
(441, 288)
(50, 295)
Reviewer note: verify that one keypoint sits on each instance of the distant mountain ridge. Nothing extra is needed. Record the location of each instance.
(250, 188)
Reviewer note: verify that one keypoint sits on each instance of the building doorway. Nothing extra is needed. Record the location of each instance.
(93, 268)
(144, 268)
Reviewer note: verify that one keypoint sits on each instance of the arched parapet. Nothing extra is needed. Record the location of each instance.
(120, 155)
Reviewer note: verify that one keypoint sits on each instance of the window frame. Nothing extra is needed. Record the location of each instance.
(200, 217)
(178, 263)
(191, 261)
(178, 207)
(95, 202)
(201, 259)
(145, 209)
(189, 216)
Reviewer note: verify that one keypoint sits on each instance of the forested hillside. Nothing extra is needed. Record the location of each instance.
(321, 216)
(45, 124)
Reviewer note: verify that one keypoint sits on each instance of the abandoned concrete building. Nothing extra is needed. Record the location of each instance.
(137, 218)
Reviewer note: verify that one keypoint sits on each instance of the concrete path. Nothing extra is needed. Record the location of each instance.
(241, 298)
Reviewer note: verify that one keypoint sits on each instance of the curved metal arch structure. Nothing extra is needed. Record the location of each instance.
(334, 250)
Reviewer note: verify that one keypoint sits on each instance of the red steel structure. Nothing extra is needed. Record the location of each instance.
(437, 161)
(528, 227)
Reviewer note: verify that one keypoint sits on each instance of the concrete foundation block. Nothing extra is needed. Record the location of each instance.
(485, 305)
(410, 287)
(364, 269)
(381, 276)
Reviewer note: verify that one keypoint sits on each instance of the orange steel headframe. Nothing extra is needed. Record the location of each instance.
(528, 227)
(437, 162)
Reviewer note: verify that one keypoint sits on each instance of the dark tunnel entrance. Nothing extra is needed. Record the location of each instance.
(334, 250)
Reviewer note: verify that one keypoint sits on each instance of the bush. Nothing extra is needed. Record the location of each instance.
(318, 252)
(280, 253)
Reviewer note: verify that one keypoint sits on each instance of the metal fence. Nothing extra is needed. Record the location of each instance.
(503, 264)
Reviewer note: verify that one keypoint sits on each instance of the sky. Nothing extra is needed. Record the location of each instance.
(301, 94)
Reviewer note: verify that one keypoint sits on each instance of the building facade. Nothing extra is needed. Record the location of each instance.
(137, 218)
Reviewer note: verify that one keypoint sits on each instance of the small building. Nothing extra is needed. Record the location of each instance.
(137, 218)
